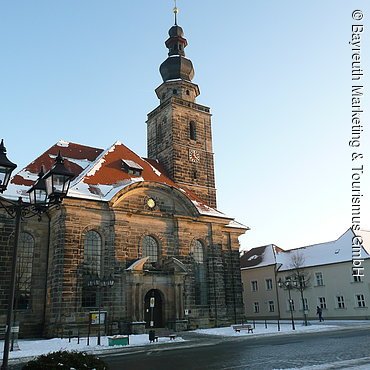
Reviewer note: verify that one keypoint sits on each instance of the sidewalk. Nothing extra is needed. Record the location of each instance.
(34, 347)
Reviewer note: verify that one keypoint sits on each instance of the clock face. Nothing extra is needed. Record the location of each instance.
(151, 203)
(194, 156)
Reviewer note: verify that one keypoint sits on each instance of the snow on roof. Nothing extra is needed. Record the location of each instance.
(336, 251)
(76, 158)
(258, 257)
(99, 174)
(132, 164)
(237, 225)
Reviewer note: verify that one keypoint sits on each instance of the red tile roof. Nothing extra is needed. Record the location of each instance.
(76, 158)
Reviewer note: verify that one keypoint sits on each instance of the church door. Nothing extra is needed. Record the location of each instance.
(153, 309)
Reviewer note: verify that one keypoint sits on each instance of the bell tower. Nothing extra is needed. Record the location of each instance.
(179, 133)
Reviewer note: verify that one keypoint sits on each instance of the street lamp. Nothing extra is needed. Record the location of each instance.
(288, 285)
(41, 197)
(98, 283)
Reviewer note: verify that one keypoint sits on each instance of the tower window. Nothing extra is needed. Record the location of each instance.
(193, 130)
(159, 133)
(174, 91)
(187, 92)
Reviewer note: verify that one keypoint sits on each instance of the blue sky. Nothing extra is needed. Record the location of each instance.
(276, 74)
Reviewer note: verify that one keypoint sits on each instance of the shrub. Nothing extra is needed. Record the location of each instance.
(64, 360)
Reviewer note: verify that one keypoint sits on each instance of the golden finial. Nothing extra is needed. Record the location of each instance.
(175, 11)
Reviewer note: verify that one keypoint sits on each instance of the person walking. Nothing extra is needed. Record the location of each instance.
(319, 312)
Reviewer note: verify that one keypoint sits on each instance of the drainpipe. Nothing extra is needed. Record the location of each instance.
(232, 274)
(277, 294)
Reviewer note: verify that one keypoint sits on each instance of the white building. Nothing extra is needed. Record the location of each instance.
(335, 276)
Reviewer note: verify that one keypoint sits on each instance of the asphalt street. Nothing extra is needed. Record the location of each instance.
(258, 353)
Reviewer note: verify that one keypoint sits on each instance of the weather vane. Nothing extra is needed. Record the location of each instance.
(175, 11)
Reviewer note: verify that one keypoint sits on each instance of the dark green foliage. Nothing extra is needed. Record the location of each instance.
(64, 360)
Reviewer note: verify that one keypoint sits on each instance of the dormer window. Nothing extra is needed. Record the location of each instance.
(131, 167)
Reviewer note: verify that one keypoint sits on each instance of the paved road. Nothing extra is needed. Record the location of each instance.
(258, 353)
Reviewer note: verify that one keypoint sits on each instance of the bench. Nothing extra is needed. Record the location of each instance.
(172, 336)
(247, 327)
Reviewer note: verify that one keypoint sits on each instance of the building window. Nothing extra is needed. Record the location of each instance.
(193, 130)
(187, 92)
(271, 306)
(256, 307)
(174, 91)
(340, 301)
(24, 272)
(357, 279)
(319, 279)
(92, 266)
(360, 300)
(269, 284)
(200, 273)
(305, 304)
(254, 285)
(322, 303)
(150, 248)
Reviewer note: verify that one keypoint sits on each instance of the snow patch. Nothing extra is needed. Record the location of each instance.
(63, 143)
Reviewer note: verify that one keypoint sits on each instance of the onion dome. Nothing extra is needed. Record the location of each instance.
(176, 66)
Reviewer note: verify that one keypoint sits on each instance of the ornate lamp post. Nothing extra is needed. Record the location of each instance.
(98, 283)
(47, 191)
(288, 285)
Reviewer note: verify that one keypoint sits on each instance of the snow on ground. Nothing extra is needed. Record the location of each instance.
(272, 329)
(34, 347)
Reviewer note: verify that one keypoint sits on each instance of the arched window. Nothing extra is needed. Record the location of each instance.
(24, 271)
(197, 252)
(193, 130)
(200, 273)
(150, 248)
(93, 252)
(92, 267)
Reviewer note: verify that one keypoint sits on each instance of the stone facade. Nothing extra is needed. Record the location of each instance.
(153, 229)
(187, 159)
(57, 274)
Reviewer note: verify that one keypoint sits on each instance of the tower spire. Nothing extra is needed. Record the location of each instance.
(176, 66)
(175, 11)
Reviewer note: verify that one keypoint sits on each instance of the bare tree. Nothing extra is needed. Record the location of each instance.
(300, 278)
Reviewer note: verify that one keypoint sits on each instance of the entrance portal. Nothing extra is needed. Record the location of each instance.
(153, 309)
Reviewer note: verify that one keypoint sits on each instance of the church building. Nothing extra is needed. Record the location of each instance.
(138, 242)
